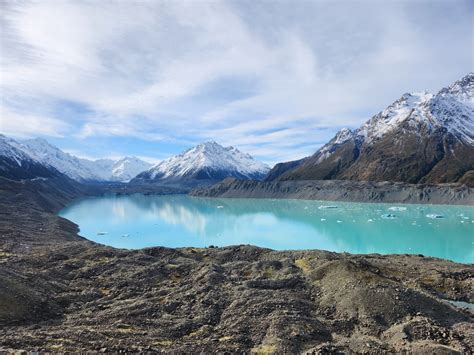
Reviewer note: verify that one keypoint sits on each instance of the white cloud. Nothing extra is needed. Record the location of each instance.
(140, 68)
(27, 125)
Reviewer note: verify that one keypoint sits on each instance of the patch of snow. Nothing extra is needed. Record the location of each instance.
(340, 138)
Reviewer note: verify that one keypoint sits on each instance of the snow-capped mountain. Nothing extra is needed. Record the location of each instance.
(419, 138)
(76, 168)
(204, 164)
(127, 168)
(79, 169)
(16, 164)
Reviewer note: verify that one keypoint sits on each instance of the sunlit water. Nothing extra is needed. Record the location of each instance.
(139, 221)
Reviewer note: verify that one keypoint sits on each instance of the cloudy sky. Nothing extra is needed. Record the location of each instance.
(274, 78)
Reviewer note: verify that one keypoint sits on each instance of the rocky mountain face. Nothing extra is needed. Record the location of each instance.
(281, 168)
(420, 138)
(15, 164)
(204, 164)
(47, 155)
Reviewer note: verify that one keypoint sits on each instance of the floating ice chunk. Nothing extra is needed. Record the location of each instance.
(102, 233)
(125, 235)
(306, 207)
(389, 216)
(370, 220)
(397, 208)
(323, 219)
(434, 216)
(220, 206)
(322, 207)
(338, 221)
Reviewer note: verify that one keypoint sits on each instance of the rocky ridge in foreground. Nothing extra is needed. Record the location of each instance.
(60, 292)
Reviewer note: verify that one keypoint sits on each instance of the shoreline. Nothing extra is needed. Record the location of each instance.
(341, 191)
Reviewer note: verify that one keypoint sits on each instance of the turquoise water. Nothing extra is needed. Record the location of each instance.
(139, 221)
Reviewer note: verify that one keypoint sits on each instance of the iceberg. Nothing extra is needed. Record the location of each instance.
(434, 216)
(322, 207)
(388, 216)
(397, 208)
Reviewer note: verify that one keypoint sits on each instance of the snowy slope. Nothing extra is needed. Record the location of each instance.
(11, 149)
(76, 168)
(410, 107)
(207, 161)
(127, 168)
(451, 108)
(16, 164)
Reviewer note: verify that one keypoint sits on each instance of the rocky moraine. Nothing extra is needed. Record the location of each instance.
(60, 292)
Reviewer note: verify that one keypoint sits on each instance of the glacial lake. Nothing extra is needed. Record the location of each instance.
(139, 221)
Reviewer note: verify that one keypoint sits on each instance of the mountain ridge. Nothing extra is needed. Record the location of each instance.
(39, 152)
(419, 138)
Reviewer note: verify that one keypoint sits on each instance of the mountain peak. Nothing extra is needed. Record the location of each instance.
(207, 161)
(209, 146)
(462, 89)
(343, 135)
(127, 168)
